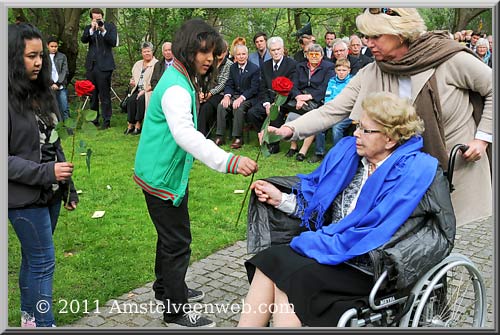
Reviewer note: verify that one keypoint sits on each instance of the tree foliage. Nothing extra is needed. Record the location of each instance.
(158, 25)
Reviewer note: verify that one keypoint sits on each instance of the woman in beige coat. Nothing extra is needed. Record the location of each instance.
(440, 77)
(140, 82)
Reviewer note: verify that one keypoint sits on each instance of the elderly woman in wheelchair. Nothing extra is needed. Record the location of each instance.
(376, 205)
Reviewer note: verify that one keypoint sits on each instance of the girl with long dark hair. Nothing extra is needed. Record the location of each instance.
(39, 177)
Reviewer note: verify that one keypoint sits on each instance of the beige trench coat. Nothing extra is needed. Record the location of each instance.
(472, 198)
(136, 73)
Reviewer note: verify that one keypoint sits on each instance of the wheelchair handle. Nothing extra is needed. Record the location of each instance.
(451, 162)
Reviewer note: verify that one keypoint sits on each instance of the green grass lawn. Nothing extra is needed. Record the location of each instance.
(99, 259)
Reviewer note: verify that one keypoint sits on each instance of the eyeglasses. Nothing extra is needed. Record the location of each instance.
(388, 11)
(366, 131)
(339, 51)
(314, 54)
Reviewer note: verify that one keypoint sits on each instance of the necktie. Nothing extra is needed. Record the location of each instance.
(241, 70)
(275, 67)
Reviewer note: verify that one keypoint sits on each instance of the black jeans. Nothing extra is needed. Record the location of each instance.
(136, 108)
(172, 252)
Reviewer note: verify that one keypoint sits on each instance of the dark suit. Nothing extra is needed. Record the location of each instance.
(257, 114)
(100, 65)
(325, 57)
(246, 84)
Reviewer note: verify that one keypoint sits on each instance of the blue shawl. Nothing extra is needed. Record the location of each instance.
(387, 199)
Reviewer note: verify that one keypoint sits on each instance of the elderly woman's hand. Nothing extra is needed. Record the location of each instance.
(477, 149)
(266, 192)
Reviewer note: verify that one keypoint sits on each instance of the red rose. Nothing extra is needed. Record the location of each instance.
(282, 85)
(84, 87)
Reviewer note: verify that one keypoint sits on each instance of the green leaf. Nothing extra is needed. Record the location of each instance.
(87, 159)
(280, 99)
(89, 114)
(273, 113)
(273, 138)
(265, 150)
(62, 131)
(82, 147)
(70, 123)
(265, 133)
(89, 129)
(53, 136)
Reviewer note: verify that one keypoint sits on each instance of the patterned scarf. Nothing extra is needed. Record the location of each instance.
(385, 202)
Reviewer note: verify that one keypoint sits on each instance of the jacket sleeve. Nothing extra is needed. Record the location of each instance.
(86, 34)
(229, 87)
(111, 36)
(253, 90)
(64, 71)
(27, 172)
(221, 79)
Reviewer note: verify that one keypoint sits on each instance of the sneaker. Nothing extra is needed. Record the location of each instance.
(316, 158)
(27, 320)
(193, 296)
(191, 319)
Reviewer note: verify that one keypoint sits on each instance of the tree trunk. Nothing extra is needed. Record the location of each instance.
(464, 15)
(69, 35)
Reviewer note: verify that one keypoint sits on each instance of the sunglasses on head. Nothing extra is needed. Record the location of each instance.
(388, 11)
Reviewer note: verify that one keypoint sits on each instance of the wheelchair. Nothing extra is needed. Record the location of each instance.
(452, 294)
(449, 294)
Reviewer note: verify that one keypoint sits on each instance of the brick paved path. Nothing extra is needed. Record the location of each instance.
(223, 279)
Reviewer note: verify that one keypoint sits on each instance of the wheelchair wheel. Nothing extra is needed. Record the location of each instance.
(454, 296)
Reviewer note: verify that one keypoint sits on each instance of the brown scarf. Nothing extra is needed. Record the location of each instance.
(429, 51)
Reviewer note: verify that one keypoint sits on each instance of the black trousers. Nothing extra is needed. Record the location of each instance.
(102, 92)
(207, 115)
(136, 108)
(172, 252)
(257, 114)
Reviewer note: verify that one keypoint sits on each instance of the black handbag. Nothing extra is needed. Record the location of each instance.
(124, 102)
(291, 106)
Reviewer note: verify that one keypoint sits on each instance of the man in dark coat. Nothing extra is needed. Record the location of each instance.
(278, 66)
(240, 93)
(101, 37)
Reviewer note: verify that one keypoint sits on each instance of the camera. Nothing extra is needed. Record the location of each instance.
(100, 23)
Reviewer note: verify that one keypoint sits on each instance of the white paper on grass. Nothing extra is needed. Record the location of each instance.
(98, 214)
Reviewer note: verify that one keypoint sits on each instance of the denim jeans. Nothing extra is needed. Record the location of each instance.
(34, 228)
(62, 101)
(338, 130)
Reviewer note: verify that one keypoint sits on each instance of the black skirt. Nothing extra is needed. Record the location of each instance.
(319, 293)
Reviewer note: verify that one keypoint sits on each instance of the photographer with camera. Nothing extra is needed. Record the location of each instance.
(101, 37)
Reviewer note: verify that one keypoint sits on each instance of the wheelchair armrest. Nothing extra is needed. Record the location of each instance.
(386, 301)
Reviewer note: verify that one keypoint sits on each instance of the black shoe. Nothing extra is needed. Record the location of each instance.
(291, 153)
(189, 320)
(128, 131)
(274, 148)
(105, 126)
(136, 131)
(195, 295)
(300, 157)
(96, 123)
(316, 158)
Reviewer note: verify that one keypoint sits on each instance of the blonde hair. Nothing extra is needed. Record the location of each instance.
(396, 115)
(409, 24)
(343, 62)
